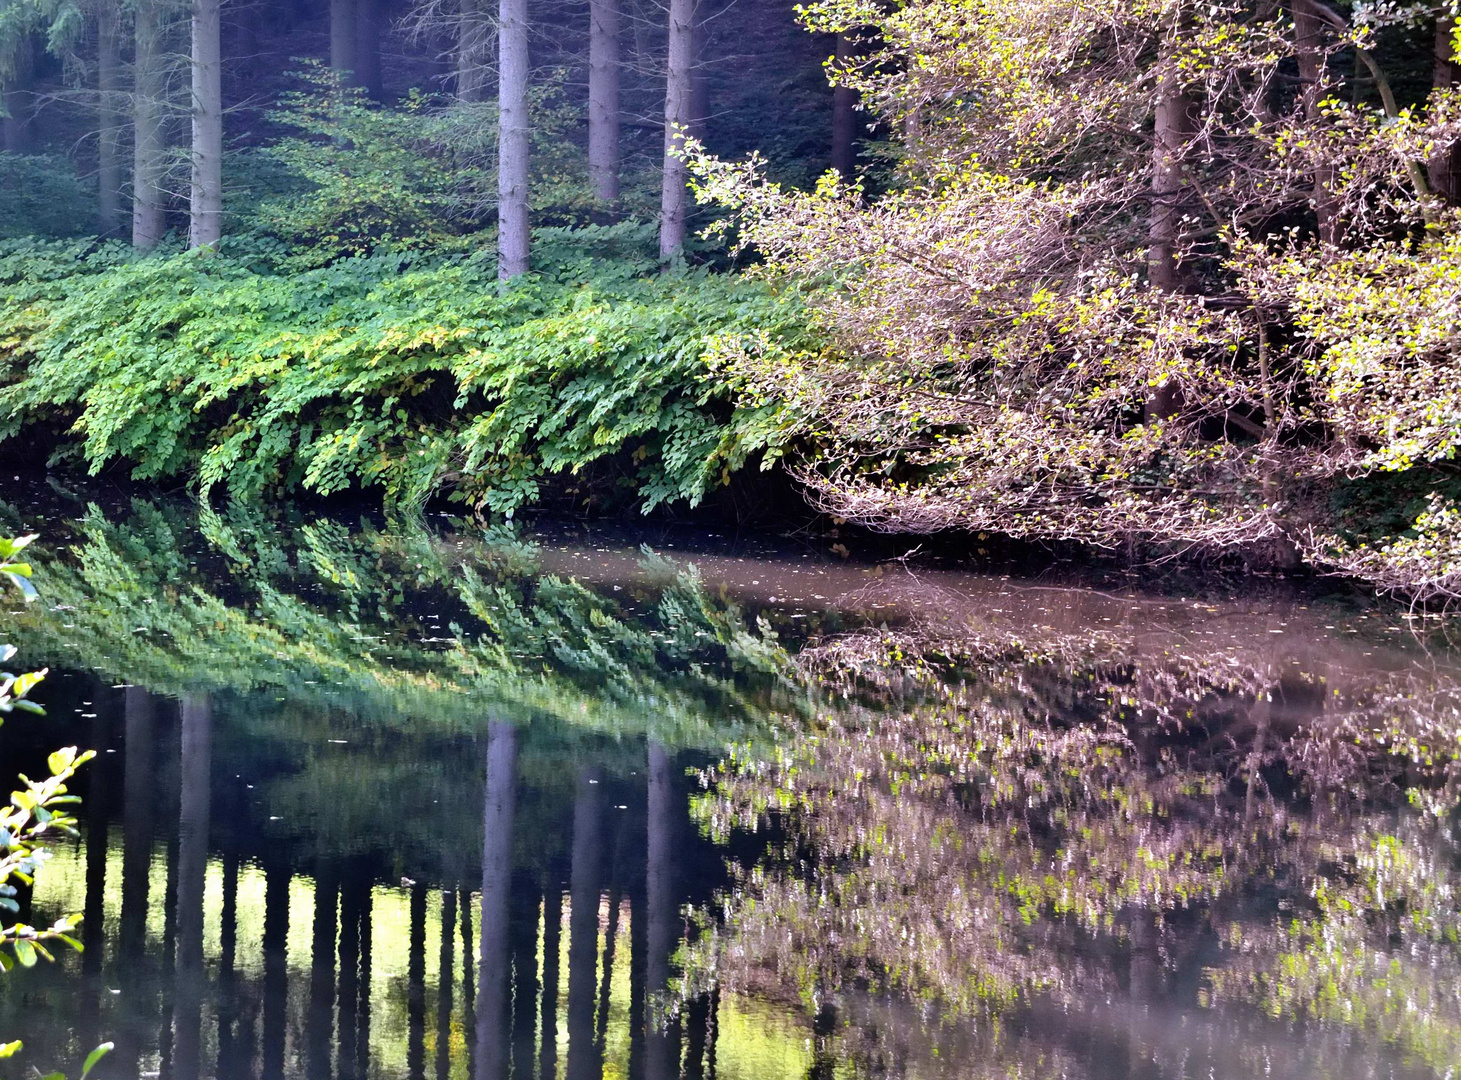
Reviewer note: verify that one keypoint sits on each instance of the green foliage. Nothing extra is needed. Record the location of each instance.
(42, 196)
(403, 372)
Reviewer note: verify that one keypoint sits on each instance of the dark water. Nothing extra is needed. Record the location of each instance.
(422, 801)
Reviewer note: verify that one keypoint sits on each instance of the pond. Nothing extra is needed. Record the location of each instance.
(428, 800)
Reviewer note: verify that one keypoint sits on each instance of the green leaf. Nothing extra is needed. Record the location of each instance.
(25, 952)
(92, 1058)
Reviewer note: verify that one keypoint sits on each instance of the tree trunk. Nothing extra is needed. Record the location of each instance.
(109, 115)
(492, 984)
(699, 78)
(1309, 47)
(149, 220)
(552, 936)
(1445, 162)
(473, 44)
(343, 40)
(675, 195)
(512, 138)
(445, 982)
(844, 118)
(319, 1025)
(415, 986)
(583, 927)
(205, 205)
(603, 100)
(276, 966)
(367, 48)
(197, 725)
(1173, 130)
(19, 100)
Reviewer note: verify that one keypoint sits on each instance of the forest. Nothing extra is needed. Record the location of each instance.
(1150, 276)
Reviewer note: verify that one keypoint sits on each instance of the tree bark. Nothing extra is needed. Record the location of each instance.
(149, 147)
(1445, 162)
(603, 100)
(19, 100)
(1173, 130)
(343, 40)
(473, 43)
(367, 48)
(1313, 74)
(844, 118)
(675, 194)
(512, 139)
(205, 204)
(109, 116)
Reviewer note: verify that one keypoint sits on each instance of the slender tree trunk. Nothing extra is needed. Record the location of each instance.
(699, 77)
(583, 927)
(473, 44)
(149, 148)
(675, 195)
(344, 35)
(1173, 130)
(1309, 47)
(844, 118)
(197, 725)
(526, 907)
(138, 778)
(19, 100)
(109, 115)
(1445, 162)
(497, 815)
(603, 100)
(205, 206)
(512, 138)
(367, 48)
(320, 1019)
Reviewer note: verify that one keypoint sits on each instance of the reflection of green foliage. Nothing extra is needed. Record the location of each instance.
(1039, 831)
(397, 625)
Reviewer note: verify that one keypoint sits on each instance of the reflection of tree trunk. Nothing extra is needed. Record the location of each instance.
(137, 796)
(320, 1023)
(638, 944)
(229, 1039)
(276, 970)
(662, 1049)
(496, 884)
(606, 980)
(169, 782)
(469, 993)
(445, 965)
(1145, 979)
(712, 1036)
(583, 926)
(362, 1011)
(524, 935)
(354, 903)
(552, 944)
(416, 986)
(197, 724)
(93, 910)
(697, 1020)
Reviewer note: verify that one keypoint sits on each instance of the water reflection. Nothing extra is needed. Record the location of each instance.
(395, 802)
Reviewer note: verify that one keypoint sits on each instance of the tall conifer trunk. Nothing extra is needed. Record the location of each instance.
(109, 115)
(512, 138)
(675, 194)
(367, 48)
(473, 43)
(1445, 163)
(205, 205)
(343, 35)
(603, 100)
(149, 147)
(844, 118)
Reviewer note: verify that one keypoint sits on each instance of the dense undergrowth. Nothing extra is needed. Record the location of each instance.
(405, 371)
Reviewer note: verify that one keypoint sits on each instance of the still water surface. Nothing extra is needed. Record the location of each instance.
(412, 802)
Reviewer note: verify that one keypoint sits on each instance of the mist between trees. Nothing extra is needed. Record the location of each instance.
(1149, 275)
